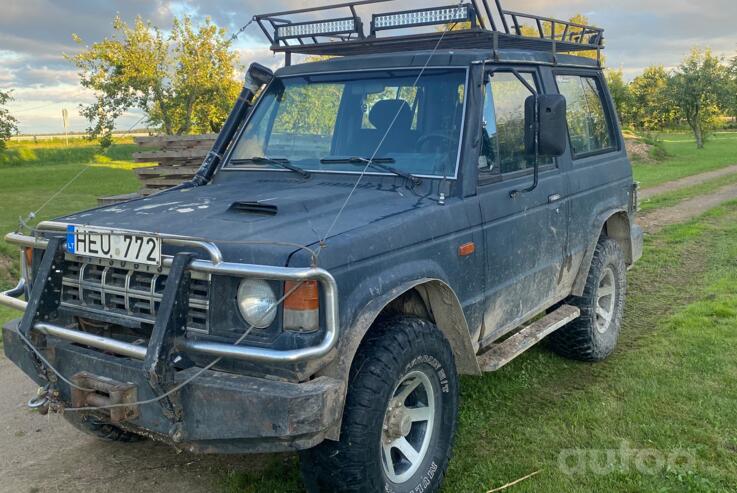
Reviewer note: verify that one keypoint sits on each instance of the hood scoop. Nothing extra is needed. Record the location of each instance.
(254, 208)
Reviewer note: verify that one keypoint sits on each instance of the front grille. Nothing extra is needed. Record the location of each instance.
(132, 294)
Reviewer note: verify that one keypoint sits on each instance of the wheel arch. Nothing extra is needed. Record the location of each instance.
(442, 307)
(429, 298)
(614, 224)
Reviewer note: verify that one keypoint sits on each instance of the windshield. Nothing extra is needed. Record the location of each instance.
(335, 122)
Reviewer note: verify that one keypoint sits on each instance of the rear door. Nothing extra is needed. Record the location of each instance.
(525, 236)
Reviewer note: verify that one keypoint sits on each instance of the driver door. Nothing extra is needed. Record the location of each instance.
(525, 235)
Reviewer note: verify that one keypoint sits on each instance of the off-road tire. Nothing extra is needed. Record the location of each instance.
(583, 339)
(393, 350)
(100, 430)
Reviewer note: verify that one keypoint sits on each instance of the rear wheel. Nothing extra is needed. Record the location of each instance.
(593, 336)
(400, 415)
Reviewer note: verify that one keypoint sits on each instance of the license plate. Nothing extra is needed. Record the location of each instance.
(122, 246)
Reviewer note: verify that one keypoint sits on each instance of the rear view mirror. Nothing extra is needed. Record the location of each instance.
(552, 130)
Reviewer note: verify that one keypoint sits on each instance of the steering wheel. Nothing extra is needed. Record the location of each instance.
(434, 136)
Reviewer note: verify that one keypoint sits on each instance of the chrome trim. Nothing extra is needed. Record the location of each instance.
(26, 241)
(104, 343)
(10, 297)
(213, 266)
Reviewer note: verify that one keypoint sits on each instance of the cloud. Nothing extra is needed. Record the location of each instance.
(35, 35)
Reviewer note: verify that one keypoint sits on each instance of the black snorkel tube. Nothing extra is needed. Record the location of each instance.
(257, 77)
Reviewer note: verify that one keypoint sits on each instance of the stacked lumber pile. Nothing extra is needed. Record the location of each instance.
(178, 158)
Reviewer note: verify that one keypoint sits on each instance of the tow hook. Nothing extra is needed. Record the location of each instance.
(42, 401)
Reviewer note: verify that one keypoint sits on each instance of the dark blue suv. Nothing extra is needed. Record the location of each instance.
(368, 226)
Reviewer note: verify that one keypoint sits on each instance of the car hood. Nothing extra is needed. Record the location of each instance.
(253, 220)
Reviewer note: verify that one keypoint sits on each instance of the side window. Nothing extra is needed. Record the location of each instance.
(589, 128)
(503, 144)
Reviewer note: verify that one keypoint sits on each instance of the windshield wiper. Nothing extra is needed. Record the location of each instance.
(282, 163)
(381, 163)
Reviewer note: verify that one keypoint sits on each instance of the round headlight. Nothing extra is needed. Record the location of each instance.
(257, 303)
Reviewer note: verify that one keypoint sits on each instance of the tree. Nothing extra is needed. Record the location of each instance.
(650, 106)
(620, 91)
(183, 82)
(732, 100)
(699, 88)
(8, 123)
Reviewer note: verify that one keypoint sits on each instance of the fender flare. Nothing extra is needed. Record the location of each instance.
(450, 320)
(445, 308)
(616, 222)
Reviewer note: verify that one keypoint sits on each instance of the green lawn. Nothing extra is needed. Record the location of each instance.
(79, 151)
(685, 159)
(31, 173)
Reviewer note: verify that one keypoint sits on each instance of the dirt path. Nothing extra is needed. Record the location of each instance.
(688, 181)
(688, 209)
(40, 454)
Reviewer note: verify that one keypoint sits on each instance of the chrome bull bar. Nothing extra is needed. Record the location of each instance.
(215, 265)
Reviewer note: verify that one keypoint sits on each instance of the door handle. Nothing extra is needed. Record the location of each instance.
(553, 198)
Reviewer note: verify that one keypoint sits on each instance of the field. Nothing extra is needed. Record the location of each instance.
(30, 174)
(685, 159)
(661, 415)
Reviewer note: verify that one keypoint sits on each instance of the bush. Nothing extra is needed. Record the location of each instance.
(657, 149)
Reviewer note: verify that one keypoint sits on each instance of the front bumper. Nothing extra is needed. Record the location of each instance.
(220, 412)
(216, 412)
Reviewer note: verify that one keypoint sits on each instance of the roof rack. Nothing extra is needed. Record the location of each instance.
(481, 26)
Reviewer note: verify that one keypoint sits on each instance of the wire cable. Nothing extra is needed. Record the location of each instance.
(166, 394)
(383, 139)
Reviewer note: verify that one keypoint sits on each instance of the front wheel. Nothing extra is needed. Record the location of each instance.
(400, 415)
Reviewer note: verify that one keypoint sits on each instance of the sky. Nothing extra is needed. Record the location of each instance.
(36, 34)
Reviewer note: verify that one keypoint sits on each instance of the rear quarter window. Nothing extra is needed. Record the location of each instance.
(589, 126)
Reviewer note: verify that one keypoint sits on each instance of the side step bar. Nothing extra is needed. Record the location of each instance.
(504, 352)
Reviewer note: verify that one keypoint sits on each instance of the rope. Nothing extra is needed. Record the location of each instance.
(297, 246)
(166, 394)
(23, 223)
(59, 192)
(209, 366)
(383, 139)
(241, 30)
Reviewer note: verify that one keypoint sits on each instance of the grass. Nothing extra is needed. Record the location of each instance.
(684, 159)
(78, 151)
(677, 348)
(668, 390)
(26, 186)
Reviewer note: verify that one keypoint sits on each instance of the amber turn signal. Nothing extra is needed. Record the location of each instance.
(28, 257)
(466, 249)
(302, 305)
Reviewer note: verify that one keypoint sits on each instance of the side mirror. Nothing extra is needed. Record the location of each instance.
(552, 129)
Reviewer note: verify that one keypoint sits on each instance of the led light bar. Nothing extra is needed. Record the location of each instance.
(333, 27)
(423, 17)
